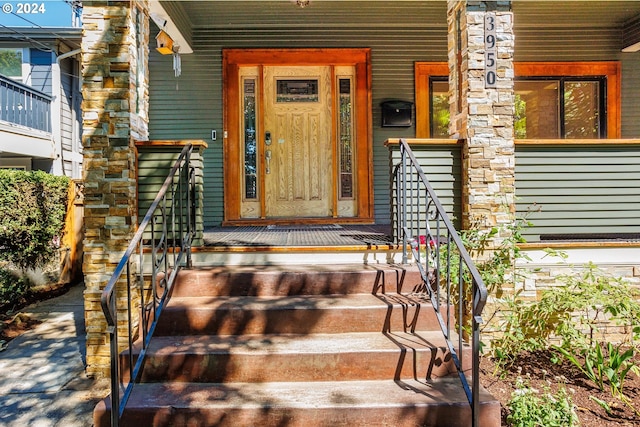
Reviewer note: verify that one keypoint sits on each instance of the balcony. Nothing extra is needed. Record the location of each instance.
(25, 120)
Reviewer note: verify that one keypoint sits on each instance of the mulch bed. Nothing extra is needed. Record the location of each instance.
(543, 372)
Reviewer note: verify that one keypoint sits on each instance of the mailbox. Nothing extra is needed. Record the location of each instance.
(396, 113)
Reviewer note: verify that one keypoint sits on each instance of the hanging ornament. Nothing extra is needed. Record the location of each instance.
(177, 62)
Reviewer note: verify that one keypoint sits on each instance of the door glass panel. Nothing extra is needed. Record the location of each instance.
(439, 119)
(581, 109)
(250, 146)
(297, 91)
(345, 136)
(537, 109)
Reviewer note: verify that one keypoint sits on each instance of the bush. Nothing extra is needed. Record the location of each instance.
(32, 213)
(14, 288)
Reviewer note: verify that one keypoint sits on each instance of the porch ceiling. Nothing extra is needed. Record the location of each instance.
(528, 13)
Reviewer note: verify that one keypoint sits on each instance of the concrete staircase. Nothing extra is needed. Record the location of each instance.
(298, 346)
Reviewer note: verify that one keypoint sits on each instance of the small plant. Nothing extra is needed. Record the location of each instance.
(523, 327)
(530, 408)
(494, 252)
(599, 366)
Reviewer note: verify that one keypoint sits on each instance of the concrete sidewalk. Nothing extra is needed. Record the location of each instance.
(42, 375)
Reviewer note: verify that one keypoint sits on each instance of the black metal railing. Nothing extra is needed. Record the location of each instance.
(23, 105)
(143, 279)
(449, 276)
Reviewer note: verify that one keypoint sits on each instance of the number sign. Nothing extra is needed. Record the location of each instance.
(490, 51)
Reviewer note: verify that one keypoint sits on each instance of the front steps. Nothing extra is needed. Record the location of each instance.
(298, 346)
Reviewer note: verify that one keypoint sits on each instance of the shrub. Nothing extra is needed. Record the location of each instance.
(13, 288)
(32, 212)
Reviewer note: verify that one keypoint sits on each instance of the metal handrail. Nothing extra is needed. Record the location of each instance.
(449, 275)
(23, 105)
(165, 234)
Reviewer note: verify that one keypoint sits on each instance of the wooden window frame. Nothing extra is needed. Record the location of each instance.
(611, 70)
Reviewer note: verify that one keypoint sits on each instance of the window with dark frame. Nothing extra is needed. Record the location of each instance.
(545, 107)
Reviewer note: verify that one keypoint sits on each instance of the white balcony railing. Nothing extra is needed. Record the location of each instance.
(24, 106)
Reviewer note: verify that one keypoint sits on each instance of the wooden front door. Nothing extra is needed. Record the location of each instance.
(297, 150)
(297, 142)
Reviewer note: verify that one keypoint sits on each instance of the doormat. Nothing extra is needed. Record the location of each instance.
(276, 227)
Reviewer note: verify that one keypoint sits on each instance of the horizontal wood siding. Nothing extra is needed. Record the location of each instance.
(399, 33)
(575, 190)
(68, 85)
(154, 164)
(191, 105)
(630, 93)
(442, 165)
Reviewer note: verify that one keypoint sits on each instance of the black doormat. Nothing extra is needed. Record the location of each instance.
(297, 235)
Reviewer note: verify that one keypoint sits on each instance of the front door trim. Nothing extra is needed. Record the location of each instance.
(233, 59)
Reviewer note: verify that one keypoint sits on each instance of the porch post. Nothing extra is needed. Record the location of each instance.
(114, 89)
(481, 81)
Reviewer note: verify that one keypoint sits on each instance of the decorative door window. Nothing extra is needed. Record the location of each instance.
(250, 144)
(345, 137)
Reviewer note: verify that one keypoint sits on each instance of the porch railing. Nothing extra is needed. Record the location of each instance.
(449, 276)
(22, 105)
(145, 275)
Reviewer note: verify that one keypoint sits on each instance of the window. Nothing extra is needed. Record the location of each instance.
(553, 100)
(345, 137)
(439, 108)
(297, 91)
(250, 143)
(559, 108)
(11, 63)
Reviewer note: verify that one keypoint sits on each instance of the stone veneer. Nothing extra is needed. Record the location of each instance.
(534, 277)
(115, 82)
(483, 117)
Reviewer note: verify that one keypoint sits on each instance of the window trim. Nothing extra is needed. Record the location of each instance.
(611, 70)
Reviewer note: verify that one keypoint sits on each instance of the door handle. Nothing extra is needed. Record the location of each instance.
(267, 158)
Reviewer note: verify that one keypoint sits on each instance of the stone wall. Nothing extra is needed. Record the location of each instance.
(541, 272)
(113, 115)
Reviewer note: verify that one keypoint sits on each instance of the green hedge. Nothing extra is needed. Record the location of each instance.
(32, 213)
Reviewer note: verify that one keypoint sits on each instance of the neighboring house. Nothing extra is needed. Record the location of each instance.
(301, 108)
(40, 99)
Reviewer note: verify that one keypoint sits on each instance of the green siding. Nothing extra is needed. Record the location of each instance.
(154, 164)
(399, 34)
(442, 165)
(591, 189)
(191, 105)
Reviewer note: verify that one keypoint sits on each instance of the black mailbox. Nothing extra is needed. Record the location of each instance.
(396, 113)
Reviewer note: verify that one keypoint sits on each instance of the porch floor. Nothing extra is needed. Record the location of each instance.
(298, 236)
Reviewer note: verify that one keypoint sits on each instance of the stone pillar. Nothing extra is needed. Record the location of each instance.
(114, 90)
(482, 107)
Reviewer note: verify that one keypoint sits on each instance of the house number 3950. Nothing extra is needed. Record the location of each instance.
(490, 51)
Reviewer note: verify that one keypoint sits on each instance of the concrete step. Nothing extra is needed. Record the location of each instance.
(317, 357)
(308, 345)
(297, 314)
(295, 280)
(400, 403)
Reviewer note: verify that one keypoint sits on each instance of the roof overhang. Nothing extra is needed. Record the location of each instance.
(167, 24)
(528, 14)
(50, 36)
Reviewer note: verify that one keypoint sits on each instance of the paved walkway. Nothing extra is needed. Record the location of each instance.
(42, 376)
